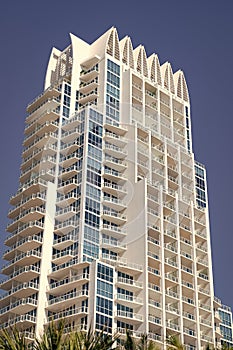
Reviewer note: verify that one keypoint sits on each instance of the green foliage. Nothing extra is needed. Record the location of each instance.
(12, 339)
(174, 343)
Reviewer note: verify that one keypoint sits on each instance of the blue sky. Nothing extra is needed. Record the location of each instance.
(195, 36)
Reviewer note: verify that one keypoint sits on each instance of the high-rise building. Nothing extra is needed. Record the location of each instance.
(110, 226)
(226, 325)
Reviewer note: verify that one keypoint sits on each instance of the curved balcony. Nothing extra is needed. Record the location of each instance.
(66, 226)
(113, 175)
(67, 161)
(66, 213)
(113, 245)
(64, 242)
(28, 188)
(128, 317)
(113, 189)
(115, 217)
(47, 106)
(39, 130)
(23, 274)
(25, 321)
(70, 136)
(44, 164)
(113, 231)
(67, 199)
(66, 300)
(114, 163)
(38, 153)
(115, 151)
(19, 307)
(22, 290)
(30, 228)
(67, 284)
(115, 139)
(114, 203)
(70, 315)
(63, 257)
(67, 186)
(115, 127)
(27, 258)
(130, 301)
(129, 284)
(69, 148)
(87, 97)
(51, 92)
(32, 214)
(39, 142)
(23, 245)
(72, 123)
(34, 200)
(61, 271)
(70, 172)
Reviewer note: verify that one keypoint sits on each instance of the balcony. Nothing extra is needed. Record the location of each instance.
(71, 123)
(70, 135)
(67, 284)
(32, 214)
(85, 88)
(65, 241)
(18, 307)
(115, 127)
(129, 284)
(172, 310)
(115, 217)
(28, 188)
(153, 319)
(30, 228)
(130, 301)
(115, 151)
(39, 142)
(66, 300)
(23, 259)
(87, 97)
(113, 245)
(113, 189)
(23, 274)
(173, 326)
(113, 231)
(68, 173)
(68, 160)
(66, 226)
(23, 245)
(153, 240)
(116, 164)
(115, 139)
(70, 148)
(126, 316)
(70, 315)
(66, 213)
(64, 187)
(171, 293)
(51, 92)
(90, 74)
(45, 164)
(61, 271)
(35, 200)
(114, 203)
(25, 322)
(66, 200)
(22, 290)
(39, 130)
(63, 256)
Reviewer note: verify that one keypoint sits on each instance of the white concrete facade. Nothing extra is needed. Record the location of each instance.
(110, 224)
